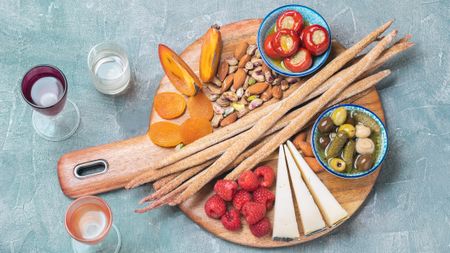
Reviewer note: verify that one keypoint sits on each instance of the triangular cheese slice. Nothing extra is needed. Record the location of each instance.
(332, 211)
(309, 213)
(285, 226)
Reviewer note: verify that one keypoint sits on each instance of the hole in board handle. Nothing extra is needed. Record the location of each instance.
(90, 169)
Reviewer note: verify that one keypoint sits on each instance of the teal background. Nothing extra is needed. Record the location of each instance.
(408, 211)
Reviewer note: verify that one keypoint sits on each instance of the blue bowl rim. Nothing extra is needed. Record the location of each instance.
(293, 74)
(343, 175)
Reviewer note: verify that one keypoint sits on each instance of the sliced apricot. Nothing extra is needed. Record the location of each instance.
(165, 134)
(199, 106)
(195, 128)
(178, 72)
(210, 53)
(169, 105)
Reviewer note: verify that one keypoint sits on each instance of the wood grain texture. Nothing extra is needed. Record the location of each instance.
(128, 158)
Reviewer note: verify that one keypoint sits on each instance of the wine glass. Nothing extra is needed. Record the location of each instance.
(89, 221)
(44, 88)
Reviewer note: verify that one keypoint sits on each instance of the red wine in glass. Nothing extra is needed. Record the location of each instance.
(44, 88)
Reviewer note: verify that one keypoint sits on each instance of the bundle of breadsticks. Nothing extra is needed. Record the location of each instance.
(245, 143)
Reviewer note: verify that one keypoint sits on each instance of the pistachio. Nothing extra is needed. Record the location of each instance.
(230, 95)
(265, 68)
(292, 80)
(218, 109)
(227, 111)
(240, 92)
(223, 71)
(277, 92)
(246, 58)
(249, 65)
(251, 81)
(215, 122)
(179, 147)
(214, 89)
(255, 104)
(240, 50)
(256, 62)
(257, 88)
(243, 112)
(257, 54)
(237, 106)
(245, 86)
(243, 101)
(229, 119)
(223, 102)
(258, 69)
(251, 49)
(277, 81)
(268, 76)
(209, 95)
(217, 82)
(267, 95)
(258, 76)
(284, 85)
(232, 61)
(251, 98)
(239, 78)
(232, 69)
(227, 82)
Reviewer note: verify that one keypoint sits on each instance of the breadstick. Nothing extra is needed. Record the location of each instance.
(298, 122)
(246, 122)
(162, 181)
(270, 119)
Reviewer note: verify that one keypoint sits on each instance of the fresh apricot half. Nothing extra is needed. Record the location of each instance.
(178, 72)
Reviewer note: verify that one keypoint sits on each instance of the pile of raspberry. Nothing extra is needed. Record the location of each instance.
(249, 196)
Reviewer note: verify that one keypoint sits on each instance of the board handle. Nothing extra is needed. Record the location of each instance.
(104, 168)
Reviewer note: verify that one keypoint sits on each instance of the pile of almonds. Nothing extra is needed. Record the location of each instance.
(243, 83)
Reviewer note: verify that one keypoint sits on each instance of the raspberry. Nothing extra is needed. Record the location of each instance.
(215, 207)
(264, 196)
(231, 220)
(262, 228)
(248, 181)
(265, 175)
(240, 198)
(225, 189)
(253, 212)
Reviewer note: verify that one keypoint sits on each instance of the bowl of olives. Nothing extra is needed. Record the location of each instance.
(349, 141)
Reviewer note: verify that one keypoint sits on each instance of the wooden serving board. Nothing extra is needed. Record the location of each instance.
(128, 158)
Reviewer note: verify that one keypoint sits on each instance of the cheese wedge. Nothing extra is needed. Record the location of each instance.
(330, 208)
(285, 226)
(308, 211)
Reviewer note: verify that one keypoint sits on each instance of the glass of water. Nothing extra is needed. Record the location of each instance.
(109, 67)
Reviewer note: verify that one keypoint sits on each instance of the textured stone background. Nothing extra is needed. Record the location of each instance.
(407, 211)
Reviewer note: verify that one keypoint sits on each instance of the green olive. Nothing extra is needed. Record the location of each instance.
(324, 141)
(348, 129)
(337, 164)
(325, 125)
(364, 162)
(339, 116)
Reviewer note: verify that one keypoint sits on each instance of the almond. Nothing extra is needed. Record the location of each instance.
(257, 88)
(267, 95)
(246, 58)
(227, 83)
(265, 68)
(223, 71)
(239, 78)
(229, 119)
(240, 50)
(277, 92)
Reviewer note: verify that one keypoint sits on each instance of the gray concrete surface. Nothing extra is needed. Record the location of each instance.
(408, 211)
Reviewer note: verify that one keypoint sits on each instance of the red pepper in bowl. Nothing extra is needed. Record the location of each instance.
(268, 47)
(316, 39)
(300, 61)
(291, 20)
(286, 42)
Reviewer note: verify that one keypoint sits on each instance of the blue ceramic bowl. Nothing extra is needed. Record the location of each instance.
(310, 16)
(382, 145)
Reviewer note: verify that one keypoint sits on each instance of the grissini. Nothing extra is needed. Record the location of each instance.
(302, 119)
(270, 119)
(233, 129)
(353, 92)
(201, 156)
(163, 180)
